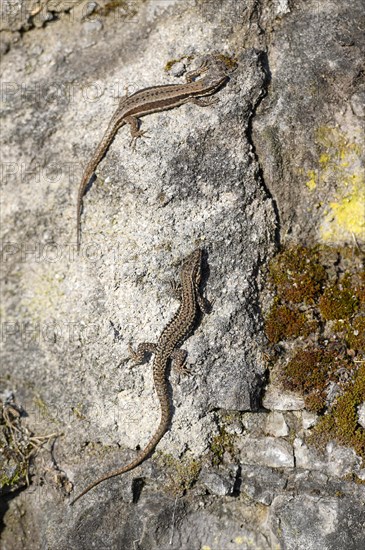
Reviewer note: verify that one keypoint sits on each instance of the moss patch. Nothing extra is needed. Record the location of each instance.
(320, 296)
(221, 444)
(310, 371)
(355, 334)
(338, 301)
(182, 473)
(297, 275)
(341, 422)
(285, 322)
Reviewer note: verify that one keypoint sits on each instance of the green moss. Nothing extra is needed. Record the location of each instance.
(17, 479)
(285, 322)
(307, 373)
(355, 334)
(113, 5)
(297, 274)
(341, 423)
(173, 62)
(315, 401)
(339, 301)
(310, 371)
(358, 283)
(221, 443)
(329, 283)
(183, 473)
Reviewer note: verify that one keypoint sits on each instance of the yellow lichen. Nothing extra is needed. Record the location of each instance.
(346, 215)
(312, 182)
(44, 293)
(339, 166)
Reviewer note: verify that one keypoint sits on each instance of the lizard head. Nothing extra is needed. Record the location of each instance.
(192, 266)
(218, 69)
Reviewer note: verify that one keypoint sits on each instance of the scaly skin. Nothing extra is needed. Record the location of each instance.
(151, 100)
(166, 349)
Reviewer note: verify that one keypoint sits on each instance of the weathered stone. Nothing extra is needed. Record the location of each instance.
(266, 451)
(277, 399)
(361, 414)
(309, 419)
(312, 523)
(341, 460)
(261, 484)
(276, 425)
(307, 457)
(278, 159)
(220, 482)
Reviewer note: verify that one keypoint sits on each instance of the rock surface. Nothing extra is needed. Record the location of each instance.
(236, 178)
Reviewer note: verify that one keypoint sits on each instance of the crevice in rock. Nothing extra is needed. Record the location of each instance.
(263, 58)
(137, 487)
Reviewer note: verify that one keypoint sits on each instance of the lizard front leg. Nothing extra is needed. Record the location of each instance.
(143, 349)
(191, 75)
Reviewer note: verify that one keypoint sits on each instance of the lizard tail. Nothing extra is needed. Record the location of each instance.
(142, 455)
(100, 152)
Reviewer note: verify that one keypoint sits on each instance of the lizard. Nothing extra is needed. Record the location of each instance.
(166, 350)
(215, 70)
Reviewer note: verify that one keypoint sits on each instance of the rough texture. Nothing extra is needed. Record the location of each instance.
(278, 158)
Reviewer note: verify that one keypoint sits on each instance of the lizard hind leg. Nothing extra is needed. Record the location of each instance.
(176, 290)
(178, 358)
(135, 131)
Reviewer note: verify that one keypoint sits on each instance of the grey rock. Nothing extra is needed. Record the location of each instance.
(290, 157)
(277, 399)
(266, 451)
(237, 178)
(341, 460)
(93, 26)
(309, 419)
(254, 423)
(307, 457)
(220, 482)
(261, 484)
(90, 8)
(312, 523)
(337, 461)
(361, 414)
(276, 425)
(4, 46)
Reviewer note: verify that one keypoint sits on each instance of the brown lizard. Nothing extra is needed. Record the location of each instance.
(215, 69)
(168, 349)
